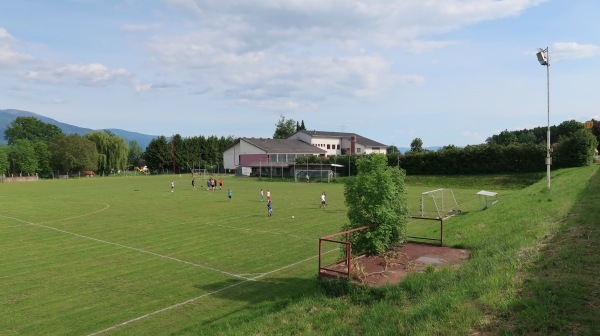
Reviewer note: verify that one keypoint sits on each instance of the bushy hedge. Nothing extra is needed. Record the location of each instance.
(577, 150)
(574, 151)
(478, 159)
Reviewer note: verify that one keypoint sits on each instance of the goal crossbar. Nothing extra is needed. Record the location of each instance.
(440, 201)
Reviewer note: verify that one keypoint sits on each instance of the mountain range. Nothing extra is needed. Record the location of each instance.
(7, 117)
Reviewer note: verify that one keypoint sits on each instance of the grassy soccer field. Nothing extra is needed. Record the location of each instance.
(125, 255)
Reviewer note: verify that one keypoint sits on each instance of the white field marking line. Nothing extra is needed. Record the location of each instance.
(75, 217)
(132, 248)
(122, 324)
(13, 226)
(84, 215)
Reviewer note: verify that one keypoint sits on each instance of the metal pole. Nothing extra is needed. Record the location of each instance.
(548, 158)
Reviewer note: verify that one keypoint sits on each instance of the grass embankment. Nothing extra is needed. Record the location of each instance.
(494, 182)
(533, 270)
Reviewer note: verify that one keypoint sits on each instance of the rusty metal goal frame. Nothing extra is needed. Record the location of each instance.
(324, 270)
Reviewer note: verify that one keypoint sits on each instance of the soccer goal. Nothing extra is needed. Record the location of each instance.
(199, 172)
(313, 174)
(439, 203)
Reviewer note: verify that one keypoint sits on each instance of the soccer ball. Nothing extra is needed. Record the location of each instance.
(292, 216)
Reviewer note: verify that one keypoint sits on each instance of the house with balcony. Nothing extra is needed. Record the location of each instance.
(339, 143)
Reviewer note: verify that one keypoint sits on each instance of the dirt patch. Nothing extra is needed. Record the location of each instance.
(392, 266)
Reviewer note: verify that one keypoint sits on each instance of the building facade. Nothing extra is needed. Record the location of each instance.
(339, 143)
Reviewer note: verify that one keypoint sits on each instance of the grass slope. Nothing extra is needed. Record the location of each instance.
(533, 270)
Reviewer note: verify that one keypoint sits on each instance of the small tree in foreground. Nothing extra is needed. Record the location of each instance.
(376, 197)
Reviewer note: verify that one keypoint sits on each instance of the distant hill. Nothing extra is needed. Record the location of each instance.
(7, 116)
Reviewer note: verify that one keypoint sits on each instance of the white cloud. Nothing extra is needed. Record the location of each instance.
(8, 54)
(567, 51)
(474, 135)
(273, 52)
(139, 27)
(5, 35)
(271, 74)
(74, 74)
(378, 21)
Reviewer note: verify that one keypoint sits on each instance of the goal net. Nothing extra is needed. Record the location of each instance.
(199, 172)
(313, 174)
(438, 203)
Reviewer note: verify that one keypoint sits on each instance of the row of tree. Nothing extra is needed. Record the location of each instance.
(35, 147)
(539, 134)
(573, 150)
(184, 154)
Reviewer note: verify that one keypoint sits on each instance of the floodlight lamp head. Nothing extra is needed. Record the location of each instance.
(542, 56)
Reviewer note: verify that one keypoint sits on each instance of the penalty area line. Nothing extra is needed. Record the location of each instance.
(122, 324)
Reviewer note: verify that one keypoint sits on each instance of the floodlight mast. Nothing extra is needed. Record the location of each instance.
(543, 57)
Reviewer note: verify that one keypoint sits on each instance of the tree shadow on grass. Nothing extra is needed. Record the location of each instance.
(259, 297)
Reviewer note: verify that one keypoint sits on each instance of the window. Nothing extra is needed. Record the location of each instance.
(292, 157)
(280, 157)
(328, 146)
(358, 150)
(338, 146)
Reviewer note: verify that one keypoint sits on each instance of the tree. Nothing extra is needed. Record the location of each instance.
(302, 127)
(596, 131)
(527, 137)
(42, 154)
(4, 164)
(30, 128)
(392, 149)
(157, 153)
(135, 154)
(176, 151)
(74, 153)
(284, 128)
(578, 150)
(112, 150)
(22, 157)
(568, 128)
(376, 197)
(416, 146)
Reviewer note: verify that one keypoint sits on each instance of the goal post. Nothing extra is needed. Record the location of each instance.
(438, 203)
(313, 174)
(199, 172)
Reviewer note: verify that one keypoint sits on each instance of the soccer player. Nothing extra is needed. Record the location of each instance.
(268, 194)
(172, 185)
(269, 208)
(262, 195)
(229, 194)
(323, 202)
(220, 183)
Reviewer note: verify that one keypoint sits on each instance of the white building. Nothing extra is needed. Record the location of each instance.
(340, 143)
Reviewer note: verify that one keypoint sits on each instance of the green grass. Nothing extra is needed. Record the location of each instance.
(82, 255)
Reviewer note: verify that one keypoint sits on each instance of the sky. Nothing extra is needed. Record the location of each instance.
(450, 72)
